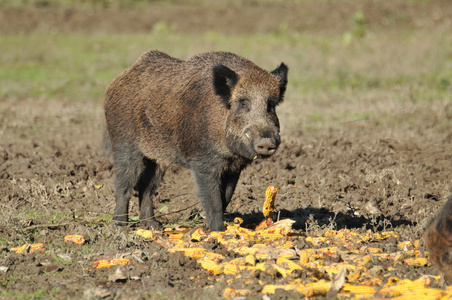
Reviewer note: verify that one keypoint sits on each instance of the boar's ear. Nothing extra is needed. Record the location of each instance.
(280, 73)
(224, 80)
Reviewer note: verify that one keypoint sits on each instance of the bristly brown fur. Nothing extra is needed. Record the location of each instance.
(212, 114)
(438, 239)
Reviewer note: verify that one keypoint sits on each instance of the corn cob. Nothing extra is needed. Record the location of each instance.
(269, 204)
(358, 289)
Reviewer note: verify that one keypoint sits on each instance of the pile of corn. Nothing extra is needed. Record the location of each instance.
(270, 247)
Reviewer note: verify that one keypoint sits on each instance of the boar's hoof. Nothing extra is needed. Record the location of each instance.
(121, 221)
(151, 224)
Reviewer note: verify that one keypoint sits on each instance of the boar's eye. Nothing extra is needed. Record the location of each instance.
(244, 105)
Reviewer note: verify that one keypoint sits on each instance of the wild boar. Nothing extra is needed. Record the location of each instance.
(438, 239)
(212, 114)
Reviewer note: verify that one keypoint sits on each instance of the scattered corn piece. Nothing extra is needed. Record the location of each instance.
(230, 293)
(77, 239)
(358, 289)
(211, 266)
(146, 234)
(110, 263)
(419, 261)
(320, 287)
(36, 247)
(196, 236)
(176, 236)
(28, 248)
(22, 249)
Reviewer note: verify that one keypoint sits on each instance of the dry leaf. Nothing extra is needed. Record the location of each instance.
(118, 276)
(338, 280)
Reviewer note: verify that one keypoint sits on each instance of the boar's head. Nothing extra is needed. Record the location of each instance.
(251, 96)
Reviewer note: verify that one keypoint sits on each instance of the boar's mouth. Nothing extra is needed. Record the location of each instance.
(264, 144)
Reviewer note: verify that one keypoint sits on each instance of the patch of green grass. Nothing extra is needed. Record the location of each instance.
(62, 261)
(329, 81)
(107, 218)
(41, 293)
(78, 66)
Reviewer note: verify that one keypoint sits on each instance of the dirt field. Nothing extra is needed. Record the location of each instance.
(379, 161)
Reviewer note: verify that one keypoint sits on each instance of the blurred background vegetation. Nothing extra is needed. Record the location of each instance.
(349, 59)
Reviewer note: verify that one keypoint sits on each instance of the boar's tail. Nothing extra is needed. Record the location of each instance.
(106, 144)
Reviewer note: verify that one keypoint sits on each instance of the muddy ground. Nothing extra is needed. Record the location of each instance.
(54, 180)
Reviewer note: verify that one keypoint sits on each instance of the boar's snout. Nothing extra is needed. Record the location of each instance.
(265, 147)
(264, 143)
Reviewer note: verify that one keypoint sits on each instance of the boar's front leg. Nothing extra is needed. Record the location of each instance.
(209, 192)
(228, 183)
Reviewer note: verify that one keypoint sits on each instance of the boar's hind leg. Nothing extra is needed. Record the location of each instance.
(210, 194)
(228, 184)
(147, 184)
(128, 162)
